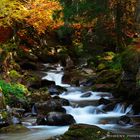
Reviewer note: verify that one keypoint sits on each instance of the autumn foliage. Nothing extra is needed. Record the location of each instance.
(40, 14)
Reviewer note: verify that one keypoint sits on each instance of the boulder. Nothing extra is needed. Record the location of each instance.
(19, 104)
(124, 120)
(40, 95)
(87, 94)
(87, 132)
(41, 83)
(88, 82)
(104, 101)
(56, 118)
(47, 83)
(108, 76)
(49, 106)
(63, 102)
(55, 89)
(109, 107)
(84, 132)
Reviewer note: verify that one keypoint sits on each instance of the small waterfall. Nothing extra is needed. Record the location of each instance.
(84, 108)
(120, 108)
(34, 110)
(56, 76)
(129, 110)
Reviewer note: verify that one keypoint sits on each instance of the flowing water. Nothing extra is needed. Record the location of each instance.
(84, 110)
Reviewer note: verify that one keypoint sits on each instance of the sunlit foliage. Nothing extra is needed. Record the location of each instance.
(39, 14)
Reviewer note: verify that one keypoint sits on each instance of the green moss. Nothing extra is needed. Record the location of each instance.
(14, 129)
(101, 66)
(14, 75)
(9, 89)
(108, 76)
(87, 132)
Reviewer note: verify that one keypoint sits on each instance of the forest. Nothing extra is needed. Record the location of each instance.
(69, 69)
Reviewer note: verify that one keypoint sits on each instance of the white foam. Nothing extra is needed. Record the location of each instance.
(76, 96)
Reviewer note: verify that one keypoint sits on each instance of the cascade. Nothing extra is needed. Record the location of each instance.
(90, 113)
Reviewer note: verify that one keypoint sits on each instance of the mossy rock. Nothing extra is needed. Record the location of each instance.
(14, 129)
(39, 95)
(30, 78)
(14, 75)
(130, 60)
(88, 132)
(108, 76)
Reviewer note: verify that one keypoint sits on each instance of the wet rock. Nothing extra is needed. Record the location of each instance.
(88, 94)
(109, 107)
(73, 77)
(87, 132)
(14, 129)
(53, 91)
(84, 132)
(49, 106)
(56, 90)
(16, 112)
(19, 104)
(124, 120)
(104, 101)
(89, 82)
(47, 83)
(56, 118)
(63, 102)
(41, 83)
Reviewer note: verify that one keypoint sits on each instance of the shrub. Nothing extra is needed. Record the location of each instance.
(14, 75)
(9, 89)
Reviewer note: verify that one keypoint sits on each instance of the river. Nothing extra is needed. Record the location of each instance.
(85, 110)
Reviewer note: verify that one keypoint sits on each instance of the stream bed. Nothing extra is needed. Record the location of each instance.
(85, 110)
